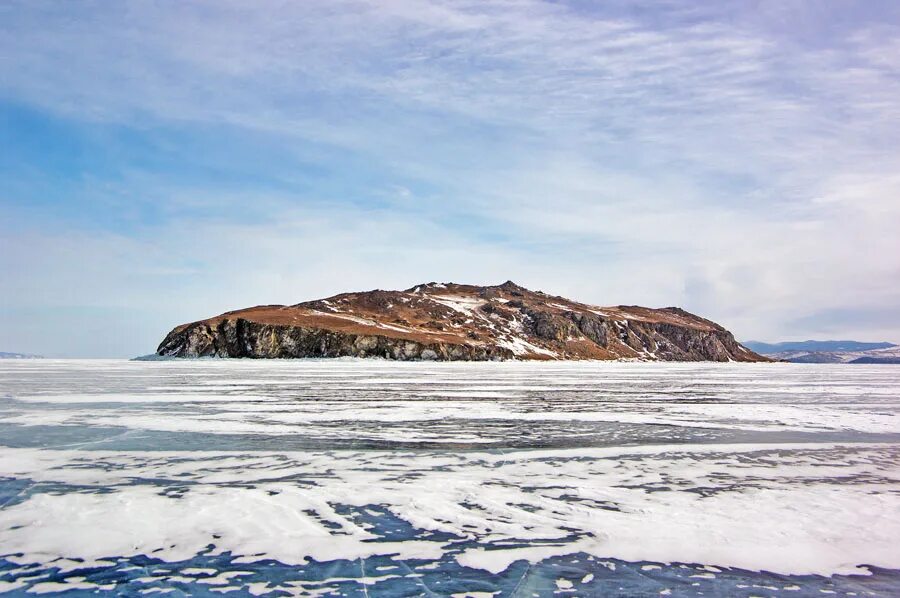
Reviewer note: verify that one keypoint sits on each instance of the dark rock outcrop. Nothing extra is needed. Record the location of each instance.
(244, 338)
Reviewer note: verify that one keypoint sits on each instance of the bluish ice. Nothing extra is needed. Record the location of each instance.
(373, 478)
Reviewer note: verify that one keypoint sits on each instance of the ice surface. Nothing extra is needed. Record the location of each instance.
(355, 477)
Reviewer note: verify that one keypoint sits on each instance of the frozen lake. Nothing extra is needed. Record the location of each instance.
(372, 478)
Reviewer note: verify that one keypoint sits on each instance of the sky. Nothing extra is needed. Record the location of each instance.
(165, 162)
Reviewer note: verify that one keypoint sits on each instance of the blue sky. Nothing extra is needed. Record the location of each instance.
(160, 163)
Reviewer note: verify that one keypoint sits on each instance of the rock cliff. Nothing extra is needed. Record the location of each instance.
(457, 322)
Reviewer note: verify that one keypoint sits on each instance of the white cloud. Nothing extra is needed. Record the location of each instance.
(741, 163)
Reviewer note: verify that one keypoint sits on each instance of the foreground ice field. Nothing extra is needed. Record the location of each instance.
(405, 479)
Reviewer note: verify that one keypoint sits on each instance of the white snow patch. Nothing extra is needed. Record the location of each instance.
(560, 306)
(788, 493)
(519, 346)
(461, 303)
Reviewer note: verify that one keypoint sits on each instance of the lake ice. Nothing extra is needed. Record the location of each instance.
(374, 478)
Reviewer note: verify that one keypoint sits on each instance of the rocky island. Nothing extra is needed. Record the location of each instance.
(437, 321)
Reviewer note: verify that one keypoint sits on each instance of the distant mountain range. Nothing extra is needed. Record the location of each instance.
(828, 351)
(4, 355)
(447, 321)
(828, 346)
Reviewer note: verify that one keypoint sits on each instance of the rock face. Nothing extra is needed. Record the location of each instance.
(457, 322)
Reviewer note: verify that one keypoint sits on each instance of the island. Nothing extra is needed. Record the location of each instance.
(457, 322)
